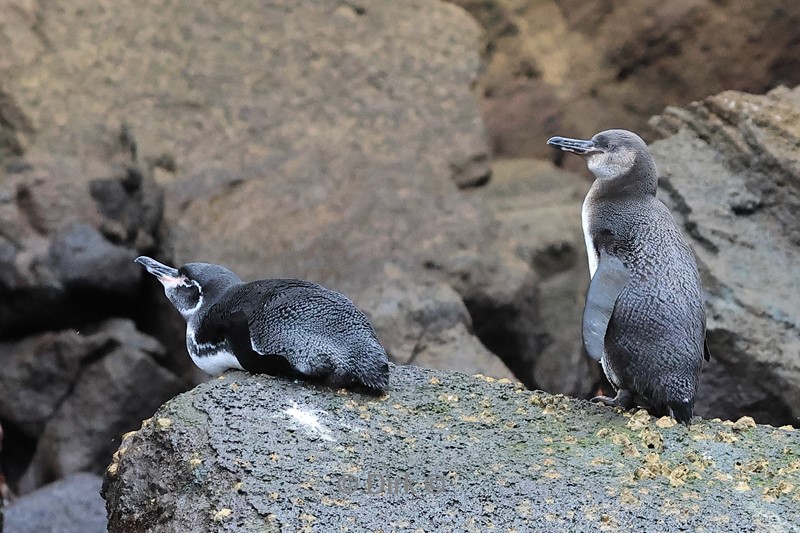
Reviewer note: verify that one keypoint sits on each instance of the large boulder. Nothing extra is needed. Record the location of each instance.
(730, 170)
(426, 323)
(441, 451)
(70, 505)
(539, 205)
(71, 227)
(313, 139)
(73, 393)
(73, 379)
(575, 67)
(304, 130)
(320, 140)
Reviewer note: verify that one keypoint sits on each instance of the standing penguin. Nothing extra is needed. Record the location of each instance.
(275, 326)
(644, 318)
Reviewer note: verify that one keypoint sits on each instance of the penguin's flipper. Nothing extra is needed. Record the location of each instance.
(237, 333)
(604, 289)
(706, 351)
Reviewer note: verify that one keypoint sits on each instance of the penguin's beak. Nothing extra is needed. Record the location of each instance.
(577, 146)
(164, 273)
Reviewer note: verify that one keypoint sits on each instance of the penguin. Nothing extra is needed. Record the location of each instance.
(644, 317)
(286, 327)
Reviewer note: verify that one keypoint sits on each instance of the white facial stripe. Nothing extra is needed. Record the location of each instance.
(170, 283)
(193, 310)
(172, 288)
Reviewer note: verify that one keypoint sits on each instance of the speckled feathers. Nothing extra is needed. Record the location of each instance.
(277, 326)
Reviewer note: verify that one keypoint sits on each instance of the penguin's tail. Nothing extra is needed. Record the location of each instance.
(372, 367)
(681, 410)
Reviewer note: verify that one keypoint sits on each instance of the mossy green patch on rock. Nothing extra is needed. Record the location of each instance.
(441, 451)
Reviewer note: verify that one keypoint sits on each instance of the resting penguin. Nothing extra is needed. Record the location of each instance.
(644, 318)
(275, 326)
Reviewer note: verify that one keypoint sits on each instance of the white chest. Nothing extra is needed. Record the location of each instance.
(591, 252)
(212, 361)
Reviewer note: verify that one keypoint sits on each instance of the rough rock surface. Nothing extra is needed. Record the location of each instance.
(576, 68)
(540, 206)
(294, 148)
(442, 451)
(70, 505)
(426, 323)
(73, 393)
(321, 140)
(731, 169)
(70, 226)
(69, 230)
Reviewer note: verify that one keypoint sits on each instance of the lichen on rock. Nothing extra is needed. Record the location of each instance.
(442, 451)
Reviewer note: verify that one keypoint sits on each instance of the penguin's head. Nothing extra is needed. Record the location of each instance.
(615, 155)
(191, 285)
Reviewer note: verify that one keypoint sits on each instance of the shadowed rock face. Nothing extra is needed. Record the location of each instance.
(73, 377)
(73, 393)
(70, 230)
(71, 505)
(315, 139)
(730, 171)
(575, 67)
(441, 451)
(426, 323)
(540, 206)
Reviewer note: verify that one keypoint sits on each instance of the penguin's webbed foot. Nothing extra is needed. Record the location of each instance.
(623, 399)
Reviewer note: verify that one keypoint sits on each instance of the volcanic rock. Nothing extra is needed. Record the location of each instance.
(70, 505)
(570, 67)
(441, 451)
(730, 171)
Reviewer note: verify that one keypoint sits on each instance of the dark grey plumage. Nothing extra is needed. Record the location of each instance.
(644, 318)
(276, 326)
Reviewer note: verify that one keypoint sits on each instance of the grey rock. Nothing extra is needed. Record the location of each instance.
(86, 260)
(111, 396)
(730, 170)
(441, 451)
(39, 372)
(353, 150)
(63, 243)
(367, 156)
(74, 392)
(539, 205)
(427, 324)
(70, 505)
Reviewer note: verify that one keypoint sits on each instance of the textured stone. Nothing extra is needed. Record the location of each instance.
(441, 451)
(87, 260)
(70, 505)
(540, 207)
(64, 240)
(73, 393)
(312, 139)
(427, 324)
(730, 171)
(571, 67)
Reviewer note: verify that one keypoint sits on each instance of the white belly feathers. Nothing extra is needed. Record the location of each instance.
(214, 362)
